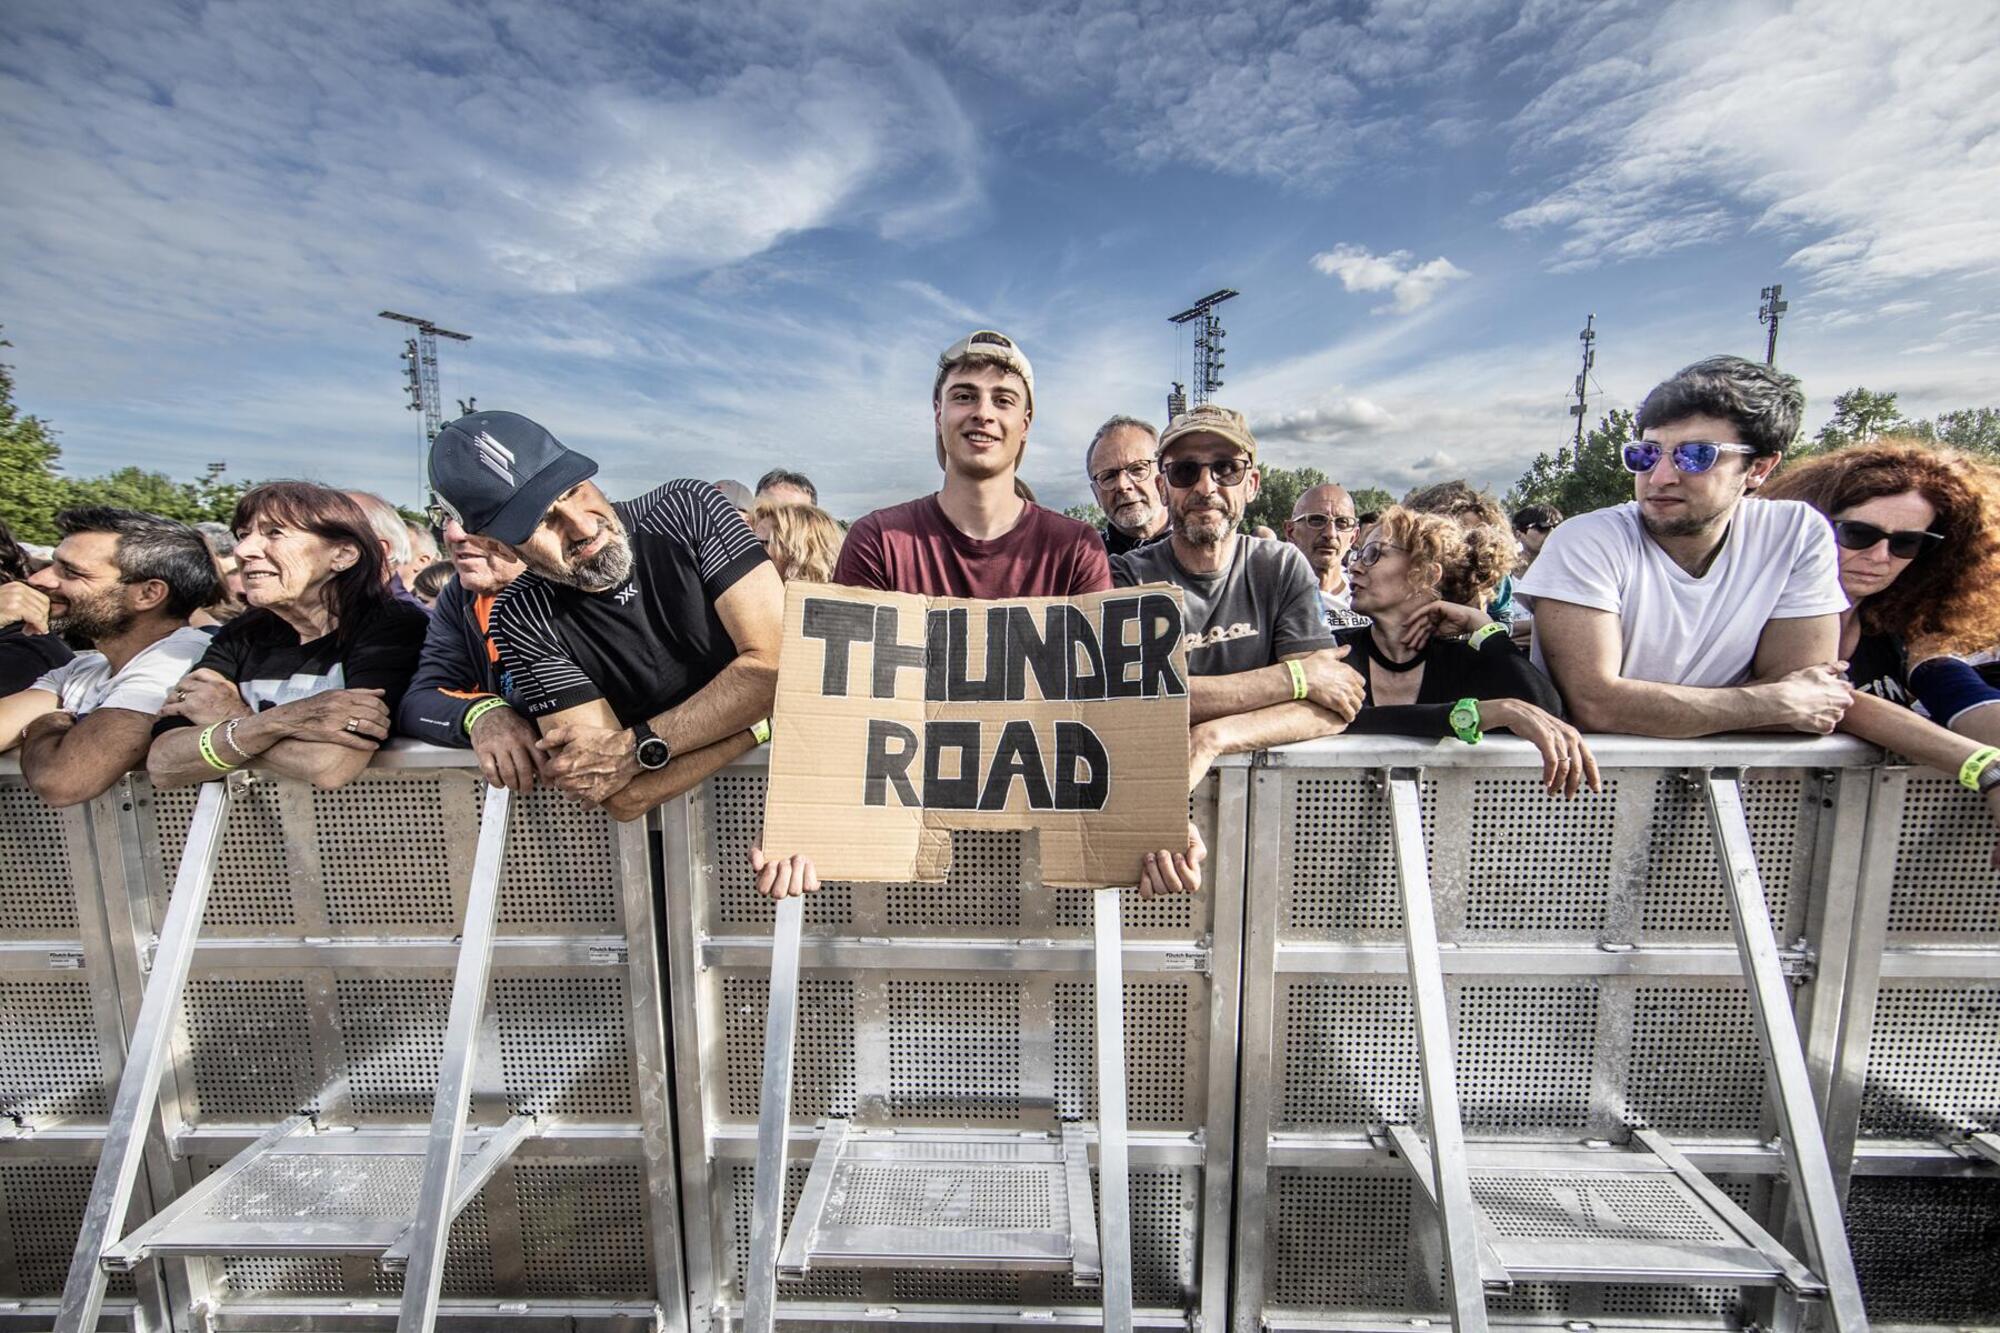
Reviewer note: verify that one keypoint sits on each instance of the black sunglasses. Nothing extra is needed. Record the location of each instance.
(1184, 473)
(1855, 535)
(1538, 527)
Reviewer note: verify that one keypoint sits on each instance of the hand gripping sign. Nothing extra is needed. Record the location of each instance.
(901, 718)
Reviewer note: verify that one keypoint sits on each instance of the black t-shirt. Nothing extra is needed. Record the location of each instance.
(1496, 669)
(263, 656)
(648, 643)
(26, 658)
(1877, 666)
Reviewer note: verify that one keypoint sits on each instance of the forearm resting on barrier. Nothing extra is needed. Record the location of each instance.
(1330, 683)
(684, 772)
(1900, 731)
(1259, 729)
(325, 740)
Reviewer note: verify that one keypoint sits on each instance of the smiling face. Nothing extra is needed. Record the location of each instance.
(1673, 503)
(87, 593)
(579, 542)
(284, 565)
(483, 565)
(982, 420)
(1865, 573)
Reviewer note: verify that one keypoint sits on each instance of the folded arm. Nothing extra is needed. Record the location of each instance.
(67, 764)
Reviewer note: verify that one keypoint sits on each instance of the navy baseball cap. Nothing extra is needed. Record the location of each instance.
(498, 473)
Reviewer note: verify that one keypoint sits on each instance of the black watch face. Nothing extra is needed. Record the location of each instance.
(653, 753)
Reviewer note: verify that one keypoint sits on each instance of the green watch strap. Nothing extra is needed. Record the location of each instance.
(1465, 720)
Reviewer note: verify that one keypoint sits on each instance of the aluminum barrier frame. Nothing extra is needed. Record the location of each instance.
(719, 947)
(626, 1157)
(1284, 967)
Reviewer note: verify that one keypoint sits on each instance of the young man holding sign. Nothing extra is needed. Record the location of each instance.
(1265, 668)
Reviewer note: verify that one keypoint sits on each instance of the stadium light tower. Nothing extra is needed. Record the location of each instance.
(1208, 336)
(420, 366)
(1576, 409)
(1768, 313)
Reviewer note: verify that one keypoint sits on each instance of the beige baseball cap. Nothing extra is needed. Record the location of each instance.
(1209, 419)
(985, 342)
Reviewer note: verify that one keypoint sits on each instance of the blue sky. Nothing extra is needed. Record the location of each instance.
(707, 240)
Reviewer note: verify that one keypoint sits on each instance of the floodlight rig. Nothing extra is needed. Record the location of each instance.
(1577, 409)
(1768, 313)
(1208, 336)
(420, 366)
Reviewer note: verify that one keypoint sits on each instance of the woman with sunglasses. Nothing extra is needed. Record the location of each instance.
(1403, 569)
(1918, 531)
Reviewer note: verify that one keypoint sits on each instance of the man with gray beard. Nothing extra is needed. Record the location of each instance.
(1264, 667)
(1125, 477)
(642, 639)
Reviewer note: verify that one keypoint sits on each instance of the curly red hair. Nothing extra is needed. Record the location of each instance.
(1948, 600)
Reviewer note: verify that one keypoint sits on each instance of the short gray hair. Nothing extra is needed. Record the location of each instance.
(1120, 422)
(386, 523)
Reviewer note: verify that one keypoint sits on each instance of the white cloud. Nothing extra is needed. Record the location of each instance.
(1340, 419)
(1413, 285)
(1867, 136)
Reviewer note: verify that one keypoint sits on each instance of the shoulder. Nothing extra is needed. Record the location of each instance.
(255, 627)
(1151, 563)
(185, 644)
(1052, 526)
(685, 501)
(1785, 521)
(393, 621)
(1587, 541)
(529, 594)
(909, 516)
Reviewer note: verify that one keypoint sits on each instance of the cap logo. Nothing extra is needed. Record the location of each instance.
(495, 456)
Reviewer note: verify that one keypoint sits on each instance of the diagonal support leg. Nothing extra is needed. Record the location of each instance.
(1114, 1182)
(1770, 1005)
(139, 1088)
(1451, 1187)
(774, 1120)
(423, 1281)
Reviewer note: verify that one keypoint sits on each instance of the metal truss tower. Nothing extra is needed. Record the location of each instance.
(1208, 336)
(420, 366)
(1582, 404)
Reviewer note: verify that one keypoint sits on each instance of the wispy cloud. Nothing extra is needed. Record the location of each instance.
(1412, 285)
(1867, 136)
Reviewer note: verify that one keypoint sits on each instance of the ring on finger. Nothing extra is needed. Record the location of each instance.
(353, 724)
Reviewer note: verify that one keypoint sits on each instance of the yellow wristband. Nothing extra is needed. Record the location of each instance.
(208, 751)
(1976, 763)
(761, 730)
(481, 709)
(1485, 632)
(1298, 677)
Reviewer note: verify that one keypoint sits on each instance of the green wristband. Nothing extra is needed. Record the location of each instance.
(208, 751)
(1485, 632)
(1298, 677)
(760, 731)
(1976, 763)
(481, 709)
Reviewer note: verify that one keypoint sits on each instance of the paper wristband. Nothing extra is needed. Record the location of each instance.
(1298, 677)
(1485, 632)
(1976, 763)
(207, 743)
(761, 730)
(481, 709)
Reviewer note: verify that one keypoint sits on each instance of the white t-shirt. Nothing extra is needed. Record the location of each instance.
(1776, 563)
(85, 682)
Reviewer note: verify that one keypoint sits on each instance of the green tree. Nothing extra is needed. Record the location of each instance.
(33, 490)
(1575, 480)
(1086, 513)
(1975, 429)
(157, 493)
(1279, 494)
(1370, 499)
(1858, 415)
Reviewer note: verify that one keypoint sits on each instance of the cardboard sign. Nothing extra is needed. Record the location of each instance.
(901, 718)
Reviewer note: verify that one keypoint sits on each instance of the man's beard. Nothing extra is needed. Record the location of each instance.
(1134, 517)
(102, 617)
(1207, 525)
(605, 570)
(1689, 524)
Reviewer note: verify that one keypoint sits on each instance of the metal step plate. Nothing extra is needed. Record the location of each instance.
(994, 1202)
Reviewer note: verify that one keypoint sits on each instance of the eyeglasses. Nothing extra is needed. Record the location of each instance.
(438, 515)
(1318, 522)
(1855, 535)
(1689, 455)
(1538, 527)
(1367, 557)
(1184, 473)
(1138, 473)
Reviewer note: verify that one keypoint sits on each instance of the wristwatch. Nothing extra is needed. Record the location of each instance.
(1464, 719)
(651, 752)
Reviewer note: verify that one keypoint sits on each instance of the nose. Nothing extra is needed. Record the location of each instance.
(248, 547)
(453, 532)
(572, 522)
(43, 578)
(1664, 471)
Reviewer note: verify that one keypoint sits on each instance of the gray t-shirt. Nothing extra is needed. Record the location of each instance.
(1265, 606)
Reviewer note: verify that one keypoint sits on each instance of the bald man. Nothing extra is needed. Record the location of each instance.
(1322, 526)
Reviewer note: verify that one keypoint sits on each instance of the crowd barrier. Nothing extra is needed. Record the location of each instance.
(1268, 1032)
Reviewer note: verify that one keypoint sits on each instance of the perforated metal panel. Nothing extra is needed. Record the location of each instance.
(1343, 879)
(1591, 1206)
(254, 871)
(1944, 882)
(734, 808)
(1934, 1061)
(565, 1043)
(1338, 1242)
(560, 869)
(1525, 875)
(1163, 1241)
(738, 1180)
(249, 1042)
(1696, 1064)
(382, 845)
(51, 1063)
(955, 1049)
(1683, 893)
(41, 1211)
(37, 894)
(822, 1060)
(583, 1229)
(1162, 1025)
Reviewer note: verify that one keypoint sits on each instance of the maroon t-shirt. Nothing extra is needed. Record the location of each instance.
(914, 548)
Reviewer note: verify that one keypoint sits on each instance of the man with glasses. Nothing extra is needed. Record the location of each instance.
(1323, 527)
(1126, 480)
(1264, 665)
(1532, 526)
(1688, 612)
